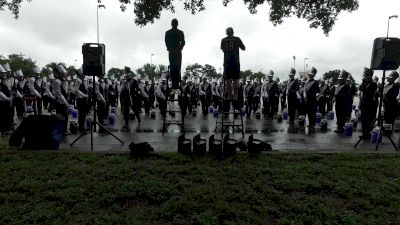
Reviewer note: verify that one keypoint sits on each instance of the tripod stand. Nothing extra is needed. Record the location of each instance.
(224, 123)
(379, 121)
(92, 127)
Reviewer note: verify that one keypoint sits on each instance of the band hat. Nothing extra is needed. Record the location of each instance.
(68, 78)
(163, 77)
(349, 78)
(79, 72)
(271, 73)
(61, 69)
(75, 77)
(7, 67)
(368, 72)
(292, 72)
(19, 73)
(220, 80)
(146, 78)
(2, 70)
(312, 71)
(393, 74)
(343, 75)
(36, 70)
(204, 76)
(248, 79)
(189, 79)
(51, 76)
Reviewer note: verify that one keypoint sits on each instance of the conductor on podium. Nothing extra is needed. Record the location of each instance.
(175, 41)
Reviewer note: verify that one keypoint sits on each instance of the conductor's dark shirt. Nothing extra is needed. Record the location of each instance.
(174, 40)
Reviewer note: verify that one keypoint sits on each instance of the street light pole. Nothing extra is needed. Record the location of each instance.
(294, 62)
(390, 17)
(98, 33)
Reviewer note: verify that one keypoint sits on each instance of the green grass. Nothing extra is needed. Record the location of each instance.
(45, 188)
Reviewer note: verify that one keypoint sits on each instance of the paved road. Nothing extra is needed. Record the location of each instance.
(276, 134)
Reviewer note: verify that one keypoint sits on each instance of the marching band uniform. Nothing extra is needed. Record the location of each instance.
(368, 105)
(144, 96)
(101, 104)
(331, 95)
(342, 99)
(61, 94)
(82, 102)
(292, 90)
(136, 96)
(390, 93)
(301, 97)
(18, 89)
(282, 93)
(5, 103)
(183, 97)
(271, 95)
(126, 101)
(353, 92)
(112, 94)
(257, 95)
(161, 94)
(152, 94)
(311, 90)
(248, 95)
(323, 98)
(205, 95)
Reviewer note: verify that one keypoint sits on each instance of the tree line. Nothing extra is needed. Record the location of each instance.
(26, 64)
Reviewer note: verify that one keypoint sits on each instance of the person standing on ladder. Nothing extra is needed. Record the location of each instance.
(230, 45)
(175, 41)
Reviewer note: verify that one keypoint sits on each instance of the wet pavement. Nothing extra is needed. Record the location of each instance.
(278, 134)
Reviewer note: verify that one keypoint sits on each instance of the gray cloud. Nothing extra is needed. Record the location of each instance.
(56, 33)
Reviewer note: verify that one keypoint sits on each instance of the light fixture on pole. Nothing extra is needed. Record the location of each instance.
(98, 35)
(294, 62)
(305, 66)
(390, 17)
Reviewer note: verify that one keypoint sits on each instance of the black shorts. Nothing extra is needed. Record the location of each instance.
(232, 71)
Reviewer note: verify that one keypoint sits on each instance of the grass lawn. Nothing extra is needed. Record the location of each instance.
(46, 188)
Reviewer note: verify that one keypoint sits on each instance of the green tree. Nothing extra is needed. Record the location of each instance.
(19, 61)
(260, 75)
(151, 70)
(115, 72)
(194, 70)
(318, 13)
(210, 71)
(332, 74)
(245, 74)
(335, 74)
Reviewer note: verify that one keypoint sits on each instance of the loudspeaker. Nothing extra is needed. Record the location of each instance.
(94, 59)
(385, 54)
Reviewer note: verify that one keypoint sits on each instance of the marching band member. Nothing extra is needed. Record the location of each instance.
(205, 94)
(61, 95)
(292, 90)
(342, 99)
(368, 105)
(390, 93)
(248, 96)
(161, 94)
(311, 91)
(6, 100)
(82, 98)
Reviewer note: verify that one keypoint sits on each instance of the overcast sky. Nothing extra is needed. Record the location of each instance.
(54, 30)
